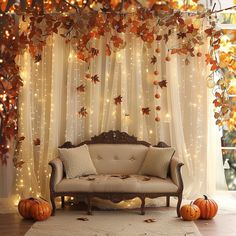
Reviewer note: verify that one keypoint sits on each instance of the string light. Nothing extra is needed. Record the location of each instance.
(137, 67)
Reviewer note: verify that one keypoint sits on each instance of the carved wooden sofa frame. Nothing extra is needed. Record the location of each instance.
(117, 137)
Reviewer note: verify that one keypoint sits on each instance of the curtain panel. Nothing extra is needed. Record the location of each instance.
(50, 102)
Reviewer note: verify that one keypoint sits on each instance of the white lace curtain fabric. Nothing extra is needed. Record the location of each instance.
(49, 105)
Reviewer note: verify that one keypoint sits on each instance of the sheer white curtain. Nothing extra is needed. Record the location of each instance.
(127, 73)
(50, 102)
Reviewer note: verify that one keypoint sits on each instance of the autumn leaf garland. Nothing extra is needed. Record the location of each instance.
(80, 24)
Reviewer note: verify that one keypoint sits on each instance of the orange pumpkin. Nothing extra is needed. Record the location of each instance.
(40, 210)
(190, 212)
(208, 207)
(24, 207)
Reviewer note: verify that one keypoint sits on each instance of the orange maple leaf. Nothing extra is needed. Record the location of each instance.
(83, 112)
(146, 110)
(81, 88)
(118, 100)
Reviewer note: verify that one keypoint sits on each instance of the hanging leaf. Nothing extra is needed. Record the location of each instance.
(181, 21)
(217, 103)
(209, 32)
(218, 95)
(95, 79)
(117, 41)
(118, 100)
(216, 115)
(20, 139)
(159, 37)
(214, 66)
(36, 142)
(94, 52)
(162, 83)
(19, 164)
(187, 62)
(146, 110)
(81, 88)
(208, 58)
(37, 58)
(83, 112)
(153, 60)
(190, 29)
(181, 35)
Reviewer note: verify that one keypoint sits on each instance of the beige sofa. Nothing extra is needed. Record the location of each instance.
(117, 158)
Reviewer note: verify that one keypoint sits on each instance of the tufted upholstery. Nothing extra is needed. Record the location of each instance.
(118, 158)
(107, 183)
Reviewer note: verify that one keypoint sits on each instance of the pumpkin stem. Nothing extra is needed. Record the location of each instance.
(191, 203)
(205, 197)
(31, 198)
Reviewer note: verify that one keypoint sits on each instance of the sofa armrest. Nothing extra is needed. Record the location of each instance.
(57, 172)
(175, 173)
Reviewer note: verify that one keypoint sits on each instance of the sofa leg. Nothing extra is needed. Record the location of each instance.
(52, 198)
(62, 201)
(167, 201)
(89, 205)
(143, 206)
(178, 205)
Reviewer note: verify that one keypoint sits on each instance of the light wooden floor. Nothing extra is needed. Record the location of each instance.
(223, 225)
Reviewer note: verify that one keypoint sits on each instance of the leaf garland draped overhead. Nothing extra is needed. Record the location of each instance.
(80, 21)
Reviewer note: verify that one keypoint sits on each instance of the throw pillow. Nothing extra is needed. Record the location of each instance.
(157, 162)
(77, 161)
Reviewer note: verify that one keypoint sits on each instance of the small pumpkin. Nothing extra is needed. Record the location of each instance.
(208, 207)
(190, 212)
(24, 207)
(40, 210)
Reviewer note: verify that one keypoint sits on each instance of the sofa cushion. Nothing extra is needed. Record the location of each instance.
(117, 158)
(77, 161)
(108, 183)
(157, 162)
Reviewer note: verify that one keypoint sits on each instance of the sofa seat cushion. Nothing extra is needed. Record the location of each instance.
(109, 183)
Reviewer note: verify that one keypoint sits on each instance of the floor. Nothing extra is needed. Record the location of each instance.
(223, 225)
(13, 225)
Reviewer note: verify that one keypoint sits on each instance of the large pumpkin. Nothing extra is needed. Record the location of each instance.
(190, 212)
(24, 207)
(40, 210)
(208, 207)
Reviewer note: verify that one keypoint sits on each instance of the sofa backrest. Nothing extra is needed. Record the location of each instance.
(117, 158)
